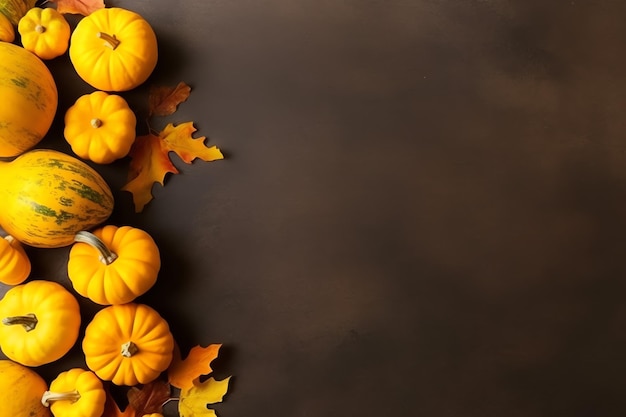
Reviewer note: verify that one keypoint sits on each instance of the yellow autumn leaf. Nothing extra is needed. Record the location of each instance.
(179, 139)
(194, 402)
(182, 373)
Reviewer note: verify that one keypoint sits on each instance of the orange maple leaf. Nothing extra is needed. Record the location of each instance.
(149, 164)
(84, 7)
(184, 373)
(150, 160)
(164, 101)
(111, 408)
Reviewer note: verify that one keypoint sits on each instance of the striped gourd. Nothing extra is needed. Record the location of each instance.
(16, 9)
(29, 99)
(48, 196)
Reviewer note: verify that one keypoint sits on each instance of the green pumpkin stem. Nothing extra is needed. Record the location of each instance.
(106, 256)
(109, 40)
(50, 397)
(29, 321)
(129, 349)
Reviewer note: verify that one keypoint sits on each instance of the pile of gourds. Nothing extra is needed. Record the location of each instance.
(51, 199)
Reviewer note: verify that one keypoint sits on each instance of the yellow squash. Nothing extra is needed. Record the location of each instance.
(14, 262)
(21, 389)
(113, 49)
(75, 393)
(15, 9)
(40, 322)
(113, 265)
(48, 196)
(128, 344)
(28, 101)
(100, 127)
(44, 32)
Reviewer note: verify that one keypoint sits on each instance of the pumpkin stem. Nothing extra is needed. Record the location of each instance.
(106, 256)
(129, 349)
(109, 40)
(40, 29)
(9, 239)
(95, 123)
(50, 397)
(29, 321)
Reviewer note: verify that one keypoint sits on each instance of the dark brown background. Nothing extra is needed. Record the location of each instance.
(421, 212)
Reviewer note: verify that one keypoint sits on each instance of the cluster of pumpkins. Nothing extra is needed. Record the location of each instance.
(51, 199)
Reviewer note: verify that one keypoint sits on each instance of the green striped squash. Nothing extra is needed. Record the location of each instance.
(16, 9)
(28, 99)
(48, 196)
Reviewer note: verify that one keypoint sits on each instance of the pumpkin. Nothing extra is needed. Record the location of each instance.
(128, 344)
(48, 196)
(14, 10)
(100, 127)
(14, 262)
(113, 49)
(40, 322)
(7, 32)
(75, 393)
(29, 100)
(21, 389)
(113, 265)
(44, 32)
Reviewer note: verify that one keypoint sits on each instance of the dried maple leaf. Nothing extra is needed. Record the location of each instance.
(150, 160)
(111, 409)
(182, 373)
(149, 398)
(163, 101)
(84, 7)
(193, 402)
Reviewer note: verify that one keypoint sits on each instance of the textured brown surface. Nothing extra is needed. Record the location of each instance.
(421, 211)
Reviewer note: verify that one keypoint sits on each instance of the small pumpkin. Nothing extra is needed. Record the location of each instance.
(113, 49)
(100, 127)
(21, 389)
(113, 265)
(44, 32)
(128, 344)
(14, 262)
(40, 322)
(75, 393)
(7, 32)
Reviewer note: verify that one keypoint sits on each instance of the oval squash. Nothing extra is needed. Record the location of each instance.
(29, 99)
(48, 196)
(14, 10)
(21, 390)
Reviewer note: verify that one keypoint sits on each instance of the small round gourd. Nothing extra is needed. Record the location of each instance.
(100, 127)
(128, 344)
(113, 265)
(75, 393)
(44, 32)
(14, 262)
(40, 321)
(21, 389)
(113, 49)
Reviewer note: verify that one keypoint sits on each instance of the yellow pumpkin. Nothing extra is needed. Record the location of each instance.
(128, 344)
(21, 389)
(14, 262)
(113, 49)
(40, 322)
(29, 99)
(75, 393)
(44, 32)
(113, 265)
(100, 127)
(7, 32)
